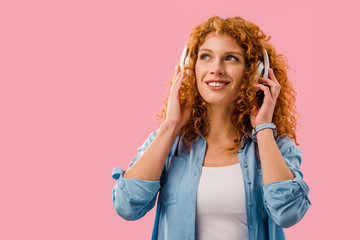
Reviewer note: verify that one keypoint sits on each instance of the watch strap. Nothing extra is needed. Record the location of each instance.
(263, 126)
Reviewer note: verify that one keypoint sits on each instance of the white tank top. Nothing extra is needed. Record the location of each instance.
(220, 204)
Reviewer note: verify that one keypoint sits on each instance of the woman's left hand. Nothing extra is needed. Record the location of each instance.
(271, 93)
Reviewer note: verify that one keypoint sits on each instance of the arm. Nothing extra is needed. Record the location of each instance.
(134, 197)
(135, 192)
(274, 167)
(151, 163)
(286, 195)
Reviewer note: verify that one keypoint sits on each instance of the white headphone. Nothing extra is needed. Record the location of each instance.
(262, 66)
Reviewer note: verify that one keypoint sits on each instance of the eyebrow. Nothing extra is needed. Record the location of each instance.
(231, 52)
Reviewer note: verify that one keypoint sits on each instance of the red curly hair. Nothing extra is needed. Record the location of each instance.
(253, 41)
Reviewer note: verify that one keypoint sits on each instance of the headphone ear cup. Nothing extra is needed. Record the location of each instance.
(260, 70)
(184, 58)
(266, 64)
(263, 66)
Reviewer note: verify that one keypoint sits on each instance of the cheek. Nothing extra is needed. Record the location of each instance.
(196, 71)
(198, 84)
(200, 70)
(240, 74)
(198, 76)
(238, 77)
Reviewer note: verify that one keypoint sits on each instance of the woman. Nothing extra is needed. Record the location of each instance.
(225, 160)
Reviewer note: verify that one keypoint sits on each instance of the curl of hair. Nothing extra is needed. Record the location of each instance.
(253, 41)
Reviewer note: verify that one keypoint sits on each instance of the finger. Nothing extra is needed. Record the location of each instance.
(265, 89)
(274, 87)
(177, 82)
(179, 79)
(176, 76)
(179, 74)
(272, 76)
(267, 81)
(177, 69)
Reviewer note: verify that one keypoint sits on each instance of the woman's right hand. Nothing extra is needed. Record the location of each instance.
(175, 113)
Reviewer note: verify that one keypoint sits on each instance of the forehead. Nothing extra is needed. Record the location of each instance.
(220, 42)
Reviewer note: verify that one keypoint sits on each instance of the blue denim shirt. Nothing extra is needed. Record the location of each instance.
(269, 209)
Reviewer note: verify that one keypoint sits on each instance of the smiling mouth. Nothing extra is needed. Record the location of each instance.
(216, 84)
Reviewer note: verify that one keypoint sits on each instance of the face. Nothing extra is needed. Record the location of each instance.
(219, 69)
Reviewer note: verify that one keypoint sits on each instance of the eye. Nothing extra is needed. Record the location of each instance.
(231, 56)
(202, 56)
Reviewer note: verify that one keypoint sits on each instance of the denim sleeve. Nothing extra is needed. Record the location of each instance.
(287, 201)
(133, 198)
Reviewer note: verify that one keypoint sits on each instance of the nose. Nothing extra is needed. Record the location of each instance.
(217, 68)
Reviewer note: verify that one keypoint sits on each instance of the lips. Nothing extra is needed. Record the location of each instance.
(216, 84)
(216, 81)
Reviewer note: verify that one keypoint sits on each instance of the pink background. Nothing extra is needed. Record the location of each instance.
(81, 82)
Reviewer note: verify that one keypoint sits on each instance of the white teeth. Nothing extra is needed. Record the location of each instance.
(216, 84)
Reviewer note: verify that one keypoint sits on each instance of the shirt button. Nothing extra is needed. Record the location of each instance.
(251, 226)
(248, 181)
(250, 204)
(245, 165)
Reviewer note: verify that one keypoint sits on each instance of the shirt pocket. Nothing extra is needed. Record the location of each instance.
(174, 175)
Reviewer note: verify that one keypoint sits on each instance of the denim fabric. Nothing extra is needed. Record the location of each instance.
(269, 209)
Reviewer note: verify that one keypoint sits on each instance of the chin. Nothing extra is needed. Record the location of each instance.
(220, 102)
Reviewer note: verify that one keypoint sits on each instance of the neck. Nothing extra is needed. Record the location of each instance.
(221, 128)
